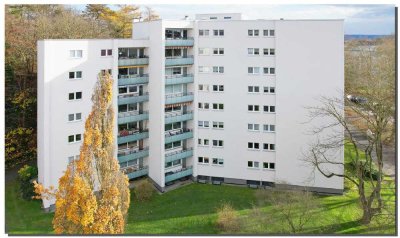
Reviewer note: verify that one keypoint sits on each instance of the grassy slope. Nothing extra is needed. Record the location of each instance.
(192, 210)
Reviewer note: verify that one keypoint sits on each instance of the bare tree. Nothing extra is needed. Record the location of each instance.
(297, 208)
(372, 71)
(149, 14)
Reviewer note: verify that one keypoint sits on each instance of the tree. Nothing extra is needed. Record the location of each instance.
(372, 73)
(20, 146)
(25, 176)
(149, 14)
(296, 208)
(93, 195)
(119, 21)
(24, 26)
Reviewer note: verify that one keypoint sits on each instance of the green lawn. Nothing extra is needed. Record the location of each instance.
(192, 210)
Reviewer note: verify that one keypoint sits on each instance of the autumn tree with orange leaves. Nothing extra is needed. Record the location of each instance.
(93, 195)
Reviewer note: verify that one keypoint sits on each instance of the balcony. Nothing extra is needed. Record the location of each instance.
(144, 60)
(184, 172)
(132, 154)
(134, 116)
(182, 154)
(133, 135)
(135, 172)
(179, 98)
(178, 79)
(181, 60)
(178, 135)
(132, 98)
(177, 117)
(132, 79)
(179, 42)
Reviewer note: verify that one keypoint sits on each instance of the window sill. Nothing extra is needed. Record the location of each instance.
(253, 168)
(218, 147)
(74, 121)
(75, 142)
(206, 164)
(253, 130)
(253, 149)
(217, 165)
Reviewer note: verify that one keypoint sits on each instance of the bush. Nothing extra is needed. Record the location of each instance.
(25, 175)
(143, 190)
(228, 220)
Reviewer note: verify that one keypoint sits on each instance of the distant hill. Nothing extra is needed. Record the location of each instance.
(363, 37)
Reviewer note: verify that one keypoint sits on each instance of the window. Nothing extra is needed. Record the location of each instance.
(253, 127)
(107, 52)
(75, 75)
(265, 70)
(218, 125)
(75, 96)
(253, 32)
(265, 51)
(213, 18)
(218, 32)
(173, 145)
(204, 32)
(265, 32)
(269, 108)
(227, 18)
(104, 71)
(253, 70)
(253, 108)
(271, 70)
(203, 87)
(269, 90)
(218, 88)
(75, 117)
(218, 143)
(204, 105)
(218, 106)
(218, 69)
(218, 51)
(271, 32)
(173, 163)
(253, 51)
(252, 164)
(203, 160)
(218, 161)
(74, 138)
(204, 124)
(253, 89)
(270, 147)
(271, 51)
(272, 166)
(204, 51)
(268, 128)
(204, 69)
(253, 145)
(204, 142)
(173, 126)
(75, 53)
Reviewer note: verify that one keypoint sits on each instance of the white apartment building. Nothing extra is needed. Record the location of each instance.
(217, 99)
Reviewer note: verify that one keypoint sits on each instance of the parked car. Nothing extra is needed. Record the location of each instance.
(357, 99)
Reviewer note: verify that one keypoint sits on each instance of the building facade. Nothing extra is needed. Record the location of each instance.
(216, 99)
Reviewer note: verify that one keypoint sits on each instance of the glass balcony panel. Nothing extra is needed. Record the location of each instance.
(133, 61)
(134, 116)
(131, 154)
(183, 154)
(135, 172)
(171, 118)
(133, 98)
(132, 79)
(179, 135)
(172, 61)
(189, 41)
(179, 98)
(178, 174)
(178, 79)
(127, 136)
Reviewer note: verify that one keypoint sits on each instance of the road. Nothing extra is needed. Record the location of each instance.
(389, 153)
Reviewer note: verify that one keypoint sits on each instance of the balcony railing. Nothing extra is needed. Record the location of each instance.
(132, 98)
(181, 154)
(181, 134)
(134, 116)
(132, 79)
(135, 171)
(178, 79)
(184, 172)
(133, 135)
(188, 41)
(144, 60)
(132, 154)
(179, 98)
(181, 60)
(177, 117)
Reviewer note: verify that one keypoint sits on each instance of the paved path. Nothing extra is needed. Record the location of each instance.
(389, 153)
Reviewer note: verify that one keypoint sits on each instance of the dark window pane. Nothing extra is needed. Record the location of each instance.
(78, 95)
(71, 75)
(71, 96)
(103, 52)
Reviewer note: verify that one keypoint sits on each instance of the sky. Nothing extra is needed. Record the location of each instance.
(358, 19)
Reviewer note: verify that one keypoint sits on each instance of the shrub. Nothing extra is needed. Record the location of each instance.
(25, 175)
(228, 219)
(143, 190)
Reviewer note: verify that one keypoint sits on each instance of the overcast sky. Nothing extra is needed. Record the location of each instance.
(359, 19)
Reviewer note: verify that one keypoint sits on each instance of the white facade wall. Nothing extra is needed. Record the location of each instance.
(308, 62)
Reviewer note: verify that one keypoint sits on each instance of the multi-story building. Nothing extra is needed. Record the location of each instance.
(216, 99)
